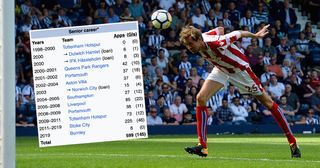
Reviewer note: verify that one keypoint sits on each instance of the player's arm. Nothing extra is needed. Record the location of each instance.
(222, 41)
(260, 34)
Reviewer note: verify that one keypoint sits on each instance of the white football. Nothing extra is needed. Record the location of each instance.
(161, 19)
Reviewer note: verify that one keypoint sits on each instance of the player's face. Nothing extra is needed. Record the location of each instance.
(192, 45)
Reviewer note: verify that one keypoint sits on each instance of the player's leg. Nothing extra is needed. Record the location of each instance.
(213, 83)
(277, 114)
(208, 89)
(281, 120)
(247, 82)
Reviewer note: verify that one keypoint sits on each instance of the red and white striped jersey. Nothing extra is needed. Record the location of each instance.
(222, 53)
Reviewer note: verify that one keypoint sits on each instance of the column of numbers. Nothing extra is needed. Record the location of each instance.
(139, 99)
(127, 92)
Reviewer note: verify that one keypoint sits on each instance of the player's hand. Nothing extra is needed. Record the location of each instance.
(264, 31)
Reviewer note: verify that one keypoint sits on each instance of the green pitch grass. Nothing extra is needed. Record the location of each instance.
(233, 151)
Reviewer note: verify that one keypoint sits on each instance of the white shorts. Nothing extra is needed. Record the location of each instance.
(246, 81)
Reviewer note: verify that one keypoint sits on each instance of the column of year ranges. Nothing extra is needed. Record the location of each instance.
(48, 107)
(133, 88)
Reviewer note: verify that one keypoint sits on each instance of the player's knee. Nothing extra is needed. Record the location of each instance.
(269, 104)
(201, 99)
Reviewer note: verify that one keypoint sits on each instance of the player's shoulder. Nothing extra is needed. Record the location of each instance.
(211, 32)
(210, 37)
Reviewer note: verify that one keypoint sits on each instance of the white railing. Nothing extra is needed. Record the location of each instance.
(7, 83)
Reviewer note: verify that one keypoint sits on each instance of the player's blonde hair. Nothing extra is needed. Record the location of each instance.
(190, 31)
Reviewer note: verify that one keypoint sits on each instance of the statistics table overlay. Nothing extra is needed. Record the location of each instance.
(88, 84)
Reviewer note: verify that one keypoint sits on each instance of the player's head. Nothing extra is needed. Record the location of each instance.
(191, 38)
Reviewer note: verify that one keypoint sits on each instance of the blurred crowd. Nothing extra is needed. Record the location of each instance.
(283, 60)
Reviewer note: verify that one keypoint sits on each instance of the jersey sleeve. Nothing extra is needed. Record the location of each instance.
(212, 32)
(223, 41)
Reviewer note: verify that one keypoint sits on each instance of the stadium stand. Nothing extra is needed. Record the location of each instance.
(161, 50)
